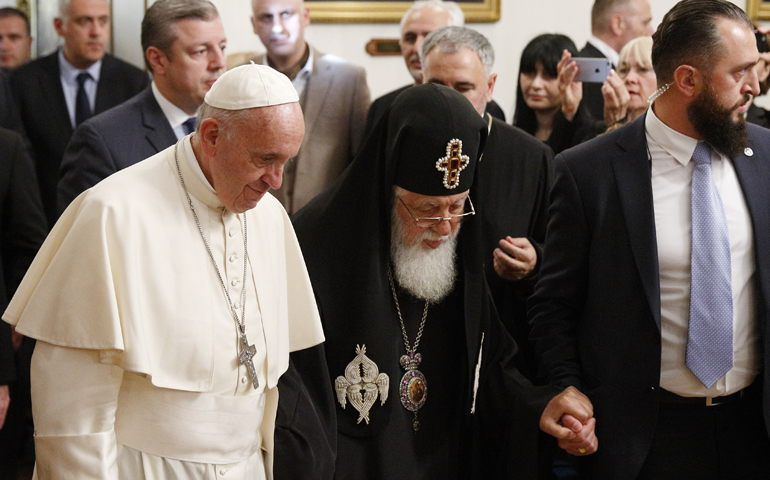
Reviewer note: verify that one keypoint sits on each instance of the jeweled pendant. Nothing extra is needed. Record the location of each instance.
(413, 387)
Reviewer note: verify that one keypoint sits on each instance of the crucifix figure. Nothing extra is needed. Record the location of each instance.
(245, 358)
(453, 163)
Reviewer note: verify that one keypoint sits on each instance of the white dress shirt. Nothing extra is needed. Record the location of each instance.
(68, 74)
(175, 115)
(608, 51)
(670, 153)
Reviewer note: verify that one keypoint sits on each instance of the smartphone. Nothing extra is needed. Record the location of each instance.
(592, 70)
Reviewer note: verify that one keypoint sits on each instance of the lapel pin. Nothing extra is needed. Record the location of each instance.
(748, 152)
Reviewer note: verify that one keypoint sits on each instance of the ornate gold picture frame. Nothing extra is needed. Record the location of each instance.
(365, 11)
(758, 9)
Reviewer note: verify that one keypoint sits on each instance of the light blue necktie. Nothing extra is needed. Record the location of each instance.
(710, 335)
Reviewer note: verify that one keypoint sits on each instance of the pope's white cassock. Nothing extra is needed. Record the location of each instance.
(135, 374)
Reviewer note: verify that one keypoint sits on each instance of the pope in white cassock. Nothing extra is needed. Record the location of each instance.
(166, 301)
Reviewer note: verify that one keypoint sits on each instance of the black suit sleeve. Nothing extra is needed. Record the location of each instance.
(557, 304)
(86, 162)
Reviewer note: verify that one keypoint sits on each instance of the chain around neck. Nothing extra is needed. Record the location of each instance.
(412, 350)
(241, 322)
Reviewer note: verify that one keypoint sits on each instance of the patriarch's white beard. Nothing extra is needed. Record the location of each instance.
(426, 273)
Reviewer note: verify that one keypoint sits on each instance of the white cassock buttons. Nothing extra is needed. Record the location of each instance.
(233, 258)
(244, 379)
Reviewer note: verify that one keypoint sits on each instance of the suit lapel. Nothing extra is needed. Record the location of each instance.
(54, 93)
(317, 92)
(754, 174)
(633, 177)
(158, 131)
(104, 87)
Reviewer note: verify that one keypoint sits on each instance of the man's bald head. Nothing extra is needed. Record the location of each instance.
(617, 22)
(423, 17)
(280, 25)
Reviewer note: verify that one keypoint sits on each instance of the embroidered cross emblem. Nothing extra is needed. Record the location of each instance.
(453, 163)
(245, 359)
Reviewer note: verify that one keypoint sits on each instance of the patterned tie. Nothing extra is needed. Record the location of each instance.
(189, 125)
(82, 106)
(710, 335)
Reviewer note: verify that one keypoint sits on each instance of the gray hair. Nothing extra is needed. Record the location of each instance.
(230, 121)
(456, 15)
(450, 39)
(160, 19)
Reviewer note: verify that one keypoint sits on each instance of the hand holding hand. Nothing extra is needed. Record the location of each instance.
(569, 418)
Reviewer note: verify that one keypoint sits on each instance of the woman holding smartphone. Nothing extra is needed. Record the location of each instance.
(548, 100)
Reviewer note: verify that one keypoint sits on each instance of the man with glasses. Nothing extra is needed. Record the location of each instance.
(418, 368)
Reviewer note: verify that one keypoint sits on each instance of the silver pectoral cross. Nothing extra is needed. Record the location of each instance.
(245, 358)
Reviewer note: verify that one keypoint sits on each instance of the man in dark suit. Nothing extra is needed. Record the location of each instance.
(613, 24)
(56, 93)
(184, 45)
(514, 179)
(22, 231)
(423, 17)
(654, 296)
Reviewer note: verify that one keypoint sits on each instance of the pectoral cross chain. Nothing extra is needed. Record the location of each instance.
(245, 359)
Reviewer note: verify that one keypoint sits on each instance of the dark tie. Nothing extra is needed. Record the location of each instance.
(710, 333)
(189, 125)
(82, 106)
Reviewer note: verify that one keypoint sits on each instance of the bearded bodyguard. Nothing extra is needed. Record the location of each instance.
(166, 301)
(653, 294)
(420, 365)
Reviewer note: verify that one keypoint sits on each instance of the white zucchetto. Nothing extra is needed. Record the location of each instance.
(250, 86)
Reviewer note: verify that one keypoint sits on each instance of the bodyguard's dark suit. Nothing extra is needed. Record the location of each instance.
(595, 313)
(39, 96)
(592, 92)
(111, 141)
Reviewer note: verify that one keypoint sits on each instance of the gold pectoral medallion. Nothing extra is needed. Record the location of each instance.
(413, 387)
(361, 384)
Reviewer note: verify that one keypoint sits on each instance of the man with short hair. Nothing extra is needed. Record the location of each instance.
(184, 44)
(613, 24)
(652, 297)
(333, 94)
(423, 17)
(167, 299)
(514, 180)
(58, 92)
(15, 39)
(420, 365)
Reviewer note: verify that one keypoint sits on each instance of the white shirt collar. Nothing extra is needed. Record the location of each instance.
(69, 73)
(678, 145)
(608, 51)
(175, 115)
(193, 161)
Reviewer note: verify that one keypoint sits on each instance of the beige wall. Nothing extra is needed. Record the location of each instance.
(521, 20)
